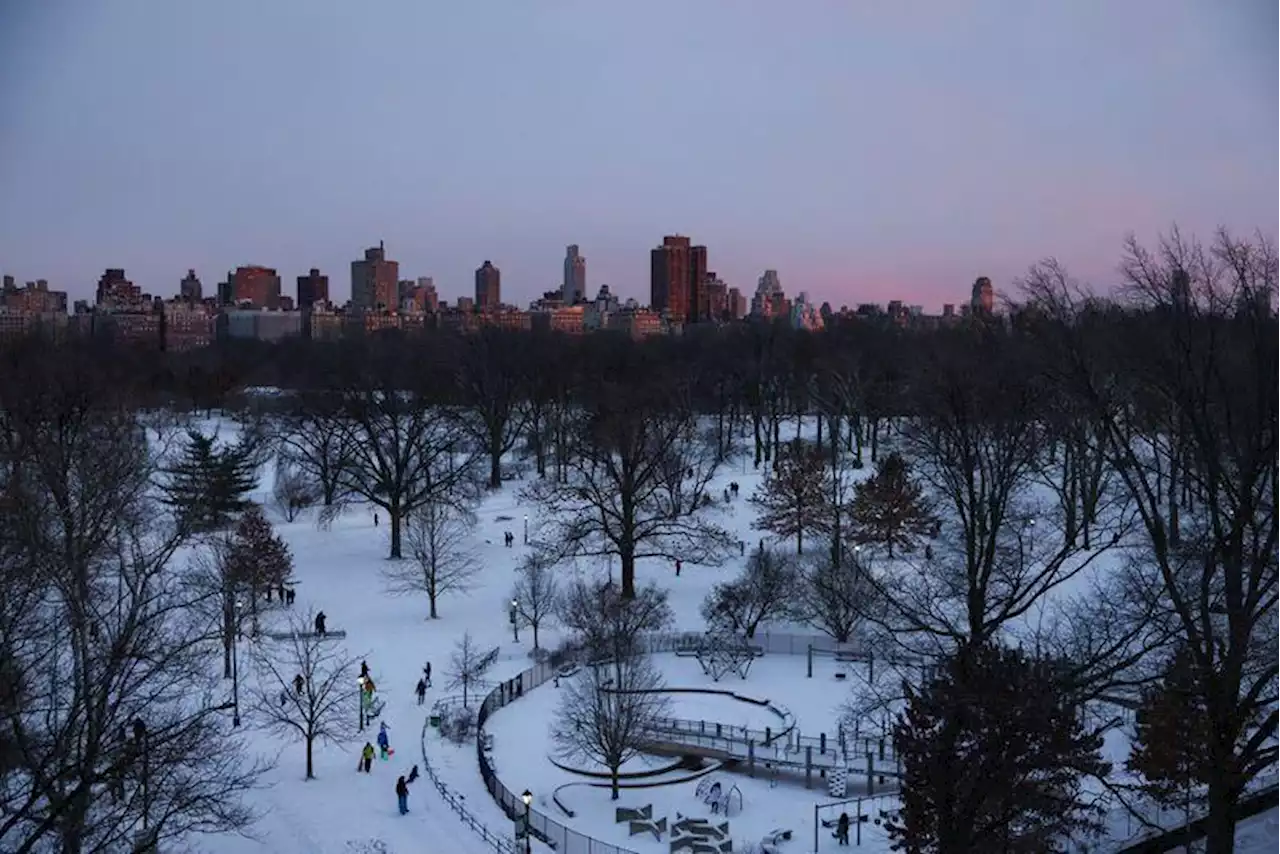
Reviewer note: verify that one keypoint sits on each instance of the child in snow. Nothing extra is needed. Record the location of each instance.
(366, 758)
(426, 673)
(320, 624)
(422, 691)
(842, 829)
(384, 743)
(364, 669)
(402, 795)
(298, 684)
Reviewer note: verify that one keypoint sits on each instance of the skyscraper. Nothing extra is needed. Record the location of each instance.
(574, 288)
(375, 281)
(488, 287)
(677, 276)
(257, 286)
(189, 289)
(312, 288)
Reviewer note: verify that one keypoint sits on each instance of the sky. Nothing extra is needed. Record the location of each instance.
(866, 149)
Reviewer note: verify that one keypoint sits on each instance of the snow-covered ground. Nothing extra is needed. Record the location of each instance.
(340, 571)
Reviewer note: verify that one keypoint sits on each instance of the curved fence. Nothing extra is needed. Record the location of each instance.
(538, 824)
(499, 844)
(542, 826)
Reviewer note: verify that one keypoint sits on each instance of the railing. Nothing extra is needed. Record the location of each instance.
(566, 840)
(499, 844)
(538, 824)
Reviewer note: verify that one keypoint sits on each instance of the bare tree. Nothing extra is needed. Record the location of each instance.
(292, 491)
(490, 380)
(609, 719)
(976, 447)
(468, 665)
(406, 449)
(1183, 384)
(765, 590)
(793, 500)
(835, 595)
(122, 730)
(608, 626)
(617, 498)
(312, 440)
(325, 709)
(441, 559)
(536, 593)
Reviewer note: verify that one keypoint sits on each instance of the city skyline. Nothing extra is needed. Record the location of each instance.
(865, 153)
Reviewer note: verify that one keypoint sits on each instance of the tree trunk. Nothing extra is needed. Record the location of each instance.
(310, 767)
(627, 557)
(393, 514)
(1220, 824)
(431, 597)
(495, 462)
(614, 781)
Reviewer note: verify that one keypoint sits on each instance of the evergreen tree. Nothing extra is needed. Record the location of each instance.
(257, 557)
(992, 752)
(1173, 732)
(890, 509)
(794, 499)
(208, 486)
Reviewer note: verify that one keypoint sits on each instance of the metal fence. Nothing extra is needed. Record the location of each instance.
(540, 825)
(500, 844)
(568, 841)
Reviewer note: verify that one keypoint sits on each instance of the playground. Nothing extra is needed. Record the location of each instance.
(702, 786)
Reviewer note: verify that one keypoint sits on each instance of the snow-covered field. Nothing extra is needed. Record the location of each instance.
(340, 571)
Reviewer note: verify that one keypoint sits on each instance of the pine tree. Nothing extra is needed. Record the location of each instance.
(993, 751)
(1173, 732)
(793, 501)
(209, 486)
(890, 509)
(258, 558)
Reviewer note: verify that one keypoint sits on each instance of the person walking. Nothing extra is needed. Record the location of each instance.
(366, 758)
(364, 669)
(426, 673)
(384, 743)
(402, 795)
(320, 621)
(842, 829)
(422, 691)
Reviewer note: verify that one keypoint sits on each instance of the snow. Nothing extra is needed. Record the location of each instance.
(343, 812)
(1259, 834)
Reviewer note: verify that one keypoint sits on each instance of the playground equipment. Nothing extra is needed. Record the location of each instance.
(699, 836)
(722, 652)
(770, 842)
(640, 821)
(722, 799)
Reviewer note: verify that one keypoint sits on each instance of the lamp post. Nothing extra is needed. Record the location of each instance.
(235, 663)
(140, 742)
(360, 698)
(515, 624)
(527, 797)
(526, 529)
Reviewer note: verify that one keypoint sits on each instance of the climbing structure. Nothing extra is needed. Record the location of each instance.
(723, 652)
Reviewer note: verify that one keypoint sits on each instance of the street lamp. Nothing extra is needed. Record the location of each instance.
(235, 663)
(360, 697)
(515, 625)
(526, 529)
(527, 797)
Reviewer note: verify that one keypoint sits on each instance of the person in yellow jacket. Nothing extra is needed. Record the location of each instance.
(366, 758)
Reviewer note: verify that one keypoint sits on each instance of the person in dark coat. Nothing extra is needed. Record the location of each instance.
(364, 669)
(402, 795)
(426, 673)
(842, 829)
(320, 618)
(298, 684)
(421, 691)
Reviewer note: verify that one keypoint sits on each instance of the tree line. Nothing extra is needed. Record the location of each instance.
(1010, 454)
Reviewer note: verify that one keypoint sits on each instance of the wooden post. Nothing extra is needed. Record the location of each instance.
(822, 742)
(808, 766)
(809, 672)
(751, 758)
